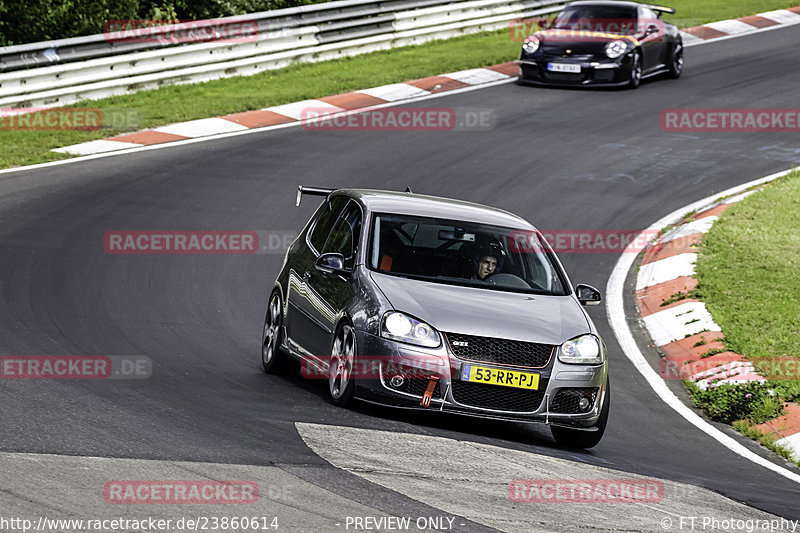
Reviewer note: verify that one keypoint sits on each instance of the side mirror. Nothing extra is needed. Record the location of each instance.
(330, 263)
(587, 295)
(651, 29)
(542, 23)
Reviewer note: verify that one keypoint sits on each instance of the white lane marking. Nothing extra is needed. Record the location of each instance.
(616, 317)
(793, 443)
(679, 322)
(201, 128)
(395, 92)
(452, 475)
(731, 27)
(701, 225)
(295, 110)
(784, 16)
(665, 270)
(95, 147)
(475, 76)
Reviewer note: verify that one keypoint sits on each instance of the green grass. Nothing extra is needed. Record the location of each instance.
(764, 439)
(695, 12)
(748, 270)
(180, 103)
(755, 401)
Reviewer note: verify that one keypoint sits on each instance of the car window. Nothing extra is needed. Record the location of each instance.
(649, 15)
(344, 237)
(648, 18)
(451, 252)
(608, 19)
(327, 214)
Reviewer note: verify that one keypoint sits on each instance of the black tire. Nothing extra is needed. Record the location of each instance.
(636, 71)
(574, 438)
(274, 359)
(341, 384)
(676, 60)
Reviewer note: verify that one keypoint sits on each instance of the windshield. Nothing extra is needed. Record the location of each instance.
(605, 19)
(463, 253)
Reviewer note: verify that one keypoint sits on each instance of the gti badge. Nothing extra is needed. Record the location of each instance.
(460, 343)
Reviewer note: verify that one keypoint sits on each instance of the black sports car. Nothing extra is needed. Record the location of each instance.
(430, 303)
(603, 43)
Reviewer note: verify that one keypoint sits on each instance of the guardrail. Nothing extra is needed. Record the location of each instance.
(65, 71)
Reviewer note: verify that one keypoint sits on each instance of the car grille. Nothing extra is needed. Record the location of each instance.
(498, 398)
(500, 351)
(566, 400)
(565, 76)
(569, 58)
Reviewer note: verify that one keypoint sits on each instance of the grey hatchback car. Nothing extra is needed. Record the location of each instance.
(419, 302)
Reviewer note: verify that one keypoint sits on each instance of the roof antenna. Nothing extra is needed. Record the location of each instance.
(408, 189)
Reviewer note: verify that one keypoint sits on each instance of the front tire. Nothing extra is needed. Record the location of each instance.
(636, 71)
(676, 61)
(575, 438)
(273, 358)
(341, 384)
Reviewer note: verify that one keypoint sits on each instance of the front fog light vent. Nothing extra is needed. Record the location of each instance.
(573, 401)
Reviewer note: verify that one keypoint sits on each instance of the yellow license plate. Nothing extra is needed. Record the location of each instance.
(505, 378)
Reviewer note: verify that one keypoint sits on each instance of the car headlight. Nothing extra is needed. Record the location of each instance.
(531, 44)
(584, 350)
(401, 327)
(614, 49)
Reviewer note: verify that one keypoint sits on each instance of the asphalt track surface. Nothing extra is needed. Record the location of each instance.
(560, 158)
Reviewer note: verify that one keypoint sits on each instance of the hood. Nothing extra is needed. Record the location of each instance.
(487, 313)
(557, 42)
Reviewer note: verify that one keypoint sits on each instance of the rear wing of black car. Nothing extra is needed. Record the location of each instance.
(314, 191)
(660, 10)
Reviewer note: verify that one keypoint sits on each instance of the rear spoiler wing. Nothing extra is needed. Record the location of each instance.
(320, 191)
(662, 9)
(314, 191)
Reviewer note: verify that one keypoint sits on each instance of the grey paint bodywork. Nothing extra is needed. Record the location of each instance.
(448, 308)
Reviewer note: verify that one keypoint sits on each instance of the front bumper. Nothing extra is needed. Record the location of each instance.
(611, 73)
(554, 402)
